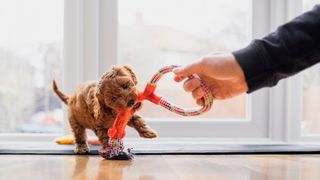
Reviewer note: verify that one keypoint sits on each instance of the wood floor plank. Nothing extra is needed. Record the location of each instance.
(162, 167)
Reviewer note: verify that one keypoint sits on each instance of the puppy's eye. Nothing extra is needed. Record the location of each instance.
(125, 86)
(113, 99)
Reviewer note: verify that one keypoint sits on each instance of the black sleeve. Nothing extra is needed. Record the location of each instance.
(293, 47)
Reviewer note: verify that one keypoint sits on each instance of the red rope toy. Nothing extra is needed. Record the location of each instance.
(115, 148)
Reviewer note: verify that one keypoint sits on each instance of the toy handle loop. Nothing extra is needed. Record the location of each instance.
(151, 96)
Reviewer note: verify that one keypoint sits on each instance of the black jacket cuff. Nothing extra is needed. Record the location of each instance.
(254, 65)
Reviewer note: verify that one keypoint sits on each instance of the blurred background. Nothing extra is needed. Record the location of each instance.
(154, 34)
(31, 46)
(151, 34)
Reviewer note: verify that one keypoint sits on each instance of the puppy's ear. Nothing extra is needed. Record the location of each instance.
(110, 74)
(133, 75)
(97, 104)
(99, 95)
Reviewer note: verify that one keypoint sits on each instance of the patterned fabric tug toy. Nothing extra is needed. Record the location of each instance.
(115, 148)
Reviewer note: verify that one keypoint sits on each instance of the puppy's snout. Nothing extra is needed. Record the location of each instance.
(131, 103)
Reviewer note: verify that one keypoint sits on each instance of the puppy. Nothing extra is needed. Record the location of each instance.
(92, 106)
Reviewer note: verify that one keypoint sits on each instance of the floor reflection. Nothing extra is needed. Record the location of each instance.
(240, 167)
(80, 167)
(112, 169)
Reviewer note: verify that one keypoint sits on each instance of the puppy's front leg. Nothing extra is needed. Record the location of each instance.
(143, 129)
(102, 133)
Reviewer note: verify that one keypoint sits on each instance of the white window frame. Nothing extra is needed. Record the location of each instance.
(294, 98)
(286, 99)
(90, 48)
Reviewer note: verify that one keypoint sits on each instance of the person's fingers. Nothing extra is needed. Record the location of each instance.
(200, 102)
(198, 93)
(179, 78)
(191, 84)
(189, 69)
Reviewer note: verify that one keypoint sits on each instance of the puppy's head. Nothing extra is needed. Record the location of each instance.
(117, 88)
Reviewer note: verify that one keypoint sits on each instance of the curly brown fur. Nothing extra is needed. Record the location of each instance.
(93, 106)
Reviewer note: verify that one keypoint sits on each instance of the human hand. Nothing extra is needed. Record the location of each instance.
(220, 72)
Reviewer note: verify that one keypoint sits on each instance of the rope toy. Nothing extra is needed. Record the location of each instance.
(115, 147)
(149, 94)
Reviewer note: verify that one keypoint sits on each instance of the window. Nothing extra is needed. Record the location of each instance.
(185, 32)
(311, 91)
(31, 36)
(94, 35)
(148, 39)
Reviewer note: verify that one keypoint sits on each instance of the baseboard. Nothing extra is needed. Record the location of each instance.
(50, 148)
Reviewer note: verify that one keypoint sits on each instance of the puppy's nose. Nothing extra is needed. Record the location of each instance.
(130, 103)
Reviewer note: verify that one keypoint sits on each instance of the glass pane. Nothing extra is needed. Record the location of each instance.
(309, 4)
(311, 91)
(153, 34)
(31, 55)
(311, 100)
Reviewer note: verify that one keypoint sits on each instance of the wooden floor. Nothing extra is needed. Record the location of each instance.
(233, 167)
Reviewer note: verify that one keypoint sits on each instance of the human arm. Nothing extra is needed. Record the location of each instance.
(293, 47)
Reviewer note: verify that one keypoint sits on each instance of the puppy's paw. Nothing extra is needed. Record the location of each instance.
(81, 149)
(148, 134)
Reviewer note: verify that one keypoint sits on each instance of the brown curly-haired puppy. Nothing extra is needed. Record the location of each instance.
(93, 106)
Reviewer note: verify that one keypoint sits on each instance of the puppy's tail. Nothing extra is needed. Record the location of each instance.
(60, 94)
